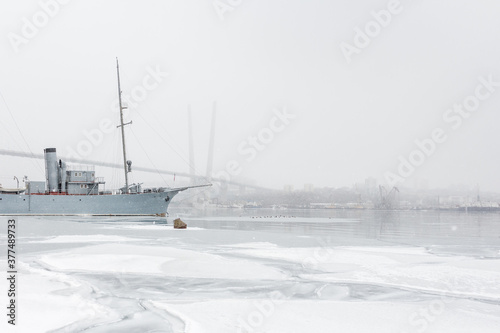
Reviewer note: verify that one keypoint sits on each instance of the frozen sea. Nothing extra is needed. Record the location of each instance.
(258, 271)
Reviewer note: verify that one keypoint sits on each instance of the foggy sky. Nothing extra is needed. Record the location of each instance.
(348, 120)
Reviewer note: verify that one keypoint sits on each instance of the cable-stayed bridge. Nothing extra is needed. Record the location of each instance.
(23, 154)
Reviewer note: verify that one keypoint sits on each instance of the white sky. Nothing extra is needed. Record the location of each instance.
(352, 120)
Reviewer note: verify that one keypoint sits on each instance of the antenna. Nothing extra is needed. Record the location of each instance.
(122, 125)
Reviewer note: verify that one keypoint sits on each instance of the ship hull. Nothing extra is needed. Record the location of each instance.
(105, 205)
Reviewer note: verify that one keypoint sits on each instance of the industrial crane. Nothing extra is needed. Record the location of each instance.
(388, 200)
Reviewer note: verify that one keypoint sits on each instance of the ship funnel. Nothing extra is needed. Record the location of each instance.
(51, 169)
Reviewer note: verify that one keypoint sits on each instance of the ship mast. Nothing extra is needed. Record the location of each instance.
(122, 125)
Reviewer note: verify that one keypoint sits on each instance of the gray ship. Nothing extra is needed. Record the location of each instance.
(77, 191)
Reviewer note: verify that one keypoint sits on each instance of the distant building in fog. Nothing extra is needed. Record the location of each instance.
(371, 188)
(308, 187)
(288, 188)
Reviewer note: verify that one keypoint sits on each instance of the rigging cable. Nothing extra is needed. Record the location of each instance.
(162, 138)
(171, 147)
(19, 130)
(150, 161)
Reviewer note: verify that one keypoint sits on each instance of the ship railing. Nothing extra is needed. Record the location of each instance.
(91, 190)
(80, 167)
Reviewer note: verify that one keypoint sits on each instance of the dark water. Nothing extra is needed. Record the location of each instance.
(474, 233)
(470, 231)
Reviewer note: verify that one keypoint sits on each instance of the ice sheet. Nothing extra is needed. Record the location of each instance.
(88, 239)
(137, 277)
(48, 300)
(403, 267)
(167, 261)
(268, 315)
